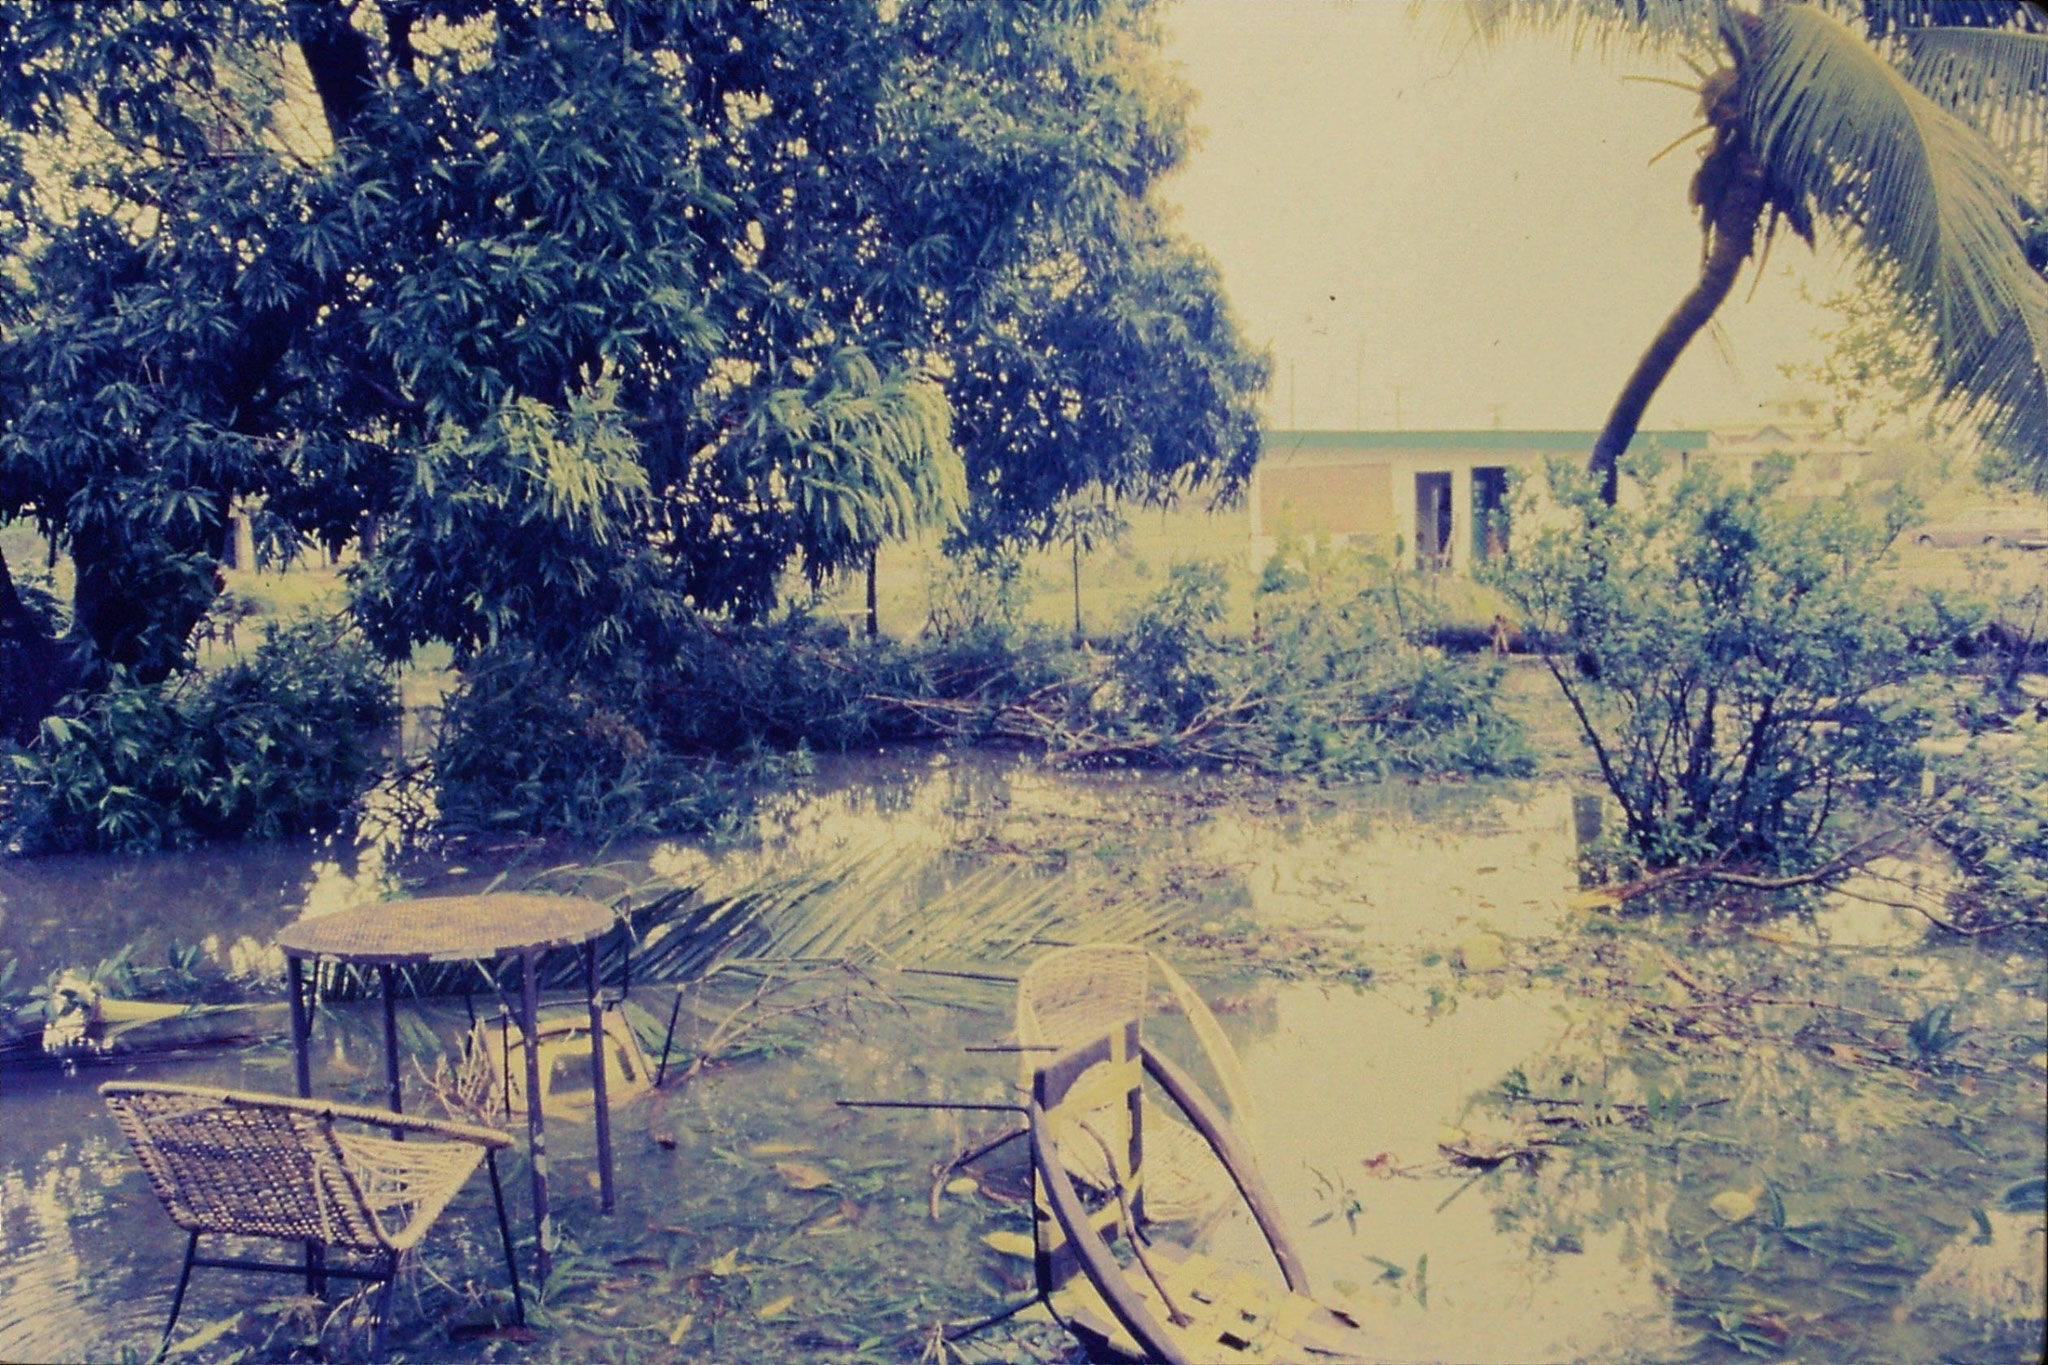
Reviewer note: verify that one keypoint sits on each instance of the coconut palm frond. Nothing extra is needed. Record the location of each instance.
(2007, 394)
(1607, 26)
(1886, 17)
(1996, 79)
(1927, 196)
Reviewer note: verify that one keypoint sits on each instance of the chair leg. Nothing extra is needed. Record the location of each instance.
(505, 1236)
(178, 1296)
(383, 1308)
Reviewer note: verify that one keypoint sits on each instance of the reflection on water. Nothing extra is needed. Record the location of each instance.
(1328, 930)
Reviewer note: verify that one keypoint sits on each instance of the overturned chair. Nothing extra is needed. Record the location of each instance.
(1075, 994)
(238, 1164)
(1158, 1301)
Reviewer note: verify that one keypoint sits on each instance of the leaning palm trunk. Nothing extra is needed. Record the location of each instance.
(1730, 229)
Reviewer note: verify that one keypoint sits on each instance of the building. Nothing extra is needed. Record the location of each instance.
(1434, 499)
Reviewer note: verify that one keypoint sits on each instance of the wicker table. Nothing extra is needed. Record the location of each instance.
(465, 929)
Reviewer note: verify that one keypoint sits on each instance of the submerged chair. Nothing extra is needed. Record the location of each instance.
(563, 1052)
(235, 1164)
(1160, 1301)
(1071, 995)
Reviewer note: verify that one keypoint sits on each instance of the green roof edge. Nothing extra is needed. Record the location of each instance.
(1280, 440)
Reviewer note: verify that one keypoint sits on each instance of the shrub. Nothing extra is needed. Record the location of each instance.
(1734, 663)
(1332, 687)
(1993, 817)
(280, 743)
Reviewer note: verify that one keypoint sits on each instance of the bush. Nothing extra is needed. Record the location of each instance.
(681, 743)
(1735, 663)
(1993, 817)
(280, 743)
(527, 745)
(1332, 687)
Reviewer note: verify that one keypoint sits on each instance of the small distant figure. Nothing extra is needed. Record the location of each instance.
(1502, 634)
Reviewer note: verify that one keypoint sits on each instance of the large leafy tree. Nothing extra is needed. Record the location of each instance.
(1904, 128)
(584, 314)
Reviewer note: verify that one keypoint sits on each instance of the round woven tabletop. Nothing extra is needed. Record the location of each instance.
(447, 928)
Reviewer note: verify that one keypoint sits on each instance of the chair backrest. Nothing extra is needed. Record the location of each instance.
(1070, 1096)
(245, 1165)
(1071, 995)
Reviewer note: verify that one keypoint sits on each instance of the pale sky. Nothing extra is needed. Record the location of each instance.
(1481, 228)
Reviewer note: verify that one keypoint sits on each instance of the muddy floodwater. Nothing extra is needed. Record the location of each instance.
(1507, 1124)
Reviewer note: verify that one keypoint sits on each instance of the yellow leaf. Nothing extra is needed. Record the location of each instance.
(775, 1308)
(675, 1333)
(1011, 1244)
(1482, 953)
(826, 1226)
(1733, 1205)
(965, 1184)
(778, 1148)
(728, 1264)
(801, 1175)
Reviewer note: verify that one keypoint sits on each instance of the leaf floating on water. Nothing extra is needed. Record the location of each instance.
(728, 1264)
(205, 1336)
(1482, 953)
(775, 1308)
(2028, 1196)
(801, 1175)
(965, 1184)
(1010, 1244)
(675, 1333)
(778, 1148)
(1735, 1205)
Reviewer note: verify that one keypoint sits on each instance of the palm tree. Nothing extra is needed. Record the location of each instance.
(1907, 129)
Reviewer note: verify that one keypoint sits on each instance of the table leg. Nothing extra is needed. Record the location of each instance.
(536, 1136)
(598, 1096)
(302, 1072)
(302, 1026)
(385, 979)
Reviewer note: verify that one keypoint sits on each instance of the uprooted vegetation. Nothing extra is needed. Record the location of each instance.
(1330, 688)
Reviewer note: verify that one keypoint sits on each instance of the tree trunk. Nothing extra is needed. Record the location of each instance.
(874, 617)
(35, 670)
(1077, 592)
(1730, 230)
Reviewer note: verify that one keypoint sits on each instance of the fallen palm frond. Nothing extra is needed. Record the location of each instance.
(886, 904)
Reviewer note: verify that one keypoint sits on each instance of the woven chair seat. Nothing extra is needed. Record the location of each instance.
(242, 1164)
(1070, 995)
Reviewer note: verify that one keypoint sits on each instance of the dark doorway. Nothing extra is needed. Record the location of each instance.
(1489, 513)
(1432, 521)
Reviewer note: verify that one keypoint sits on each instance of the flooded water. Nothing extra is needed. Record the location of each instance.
(1506, 1127)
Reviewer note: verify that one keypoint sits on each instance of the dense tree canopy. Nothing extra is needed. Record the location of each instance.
(584, 314)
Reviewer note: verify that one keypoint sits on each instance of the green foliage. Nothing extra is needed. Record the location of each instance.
(1331, 687)
(1993, 817)
(528, 745)
(678, 740)
(1735, 663)
(593, 323)
(280, 743)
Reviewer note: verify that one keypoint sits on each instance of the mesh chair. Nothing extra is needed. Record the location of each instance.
(1074, 994)
(1159, 1301)
(236, 1164)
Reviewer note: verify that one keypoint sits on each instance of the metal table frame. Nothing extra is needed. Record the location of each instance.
(465, 928)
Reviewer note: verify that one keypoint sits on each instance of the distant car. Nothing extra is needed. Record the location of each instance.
(2021, 528)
